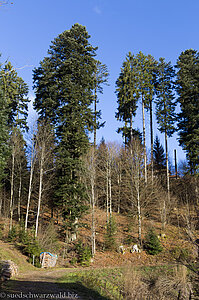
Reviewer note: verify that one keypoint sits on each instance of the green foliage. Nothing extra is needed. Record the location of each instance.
(127, 96)
(84, 254)
(187, 86)
(111, 230)
(32, 247)
(100, 284)
(165, 103)
(1, 233)
(64, 85)
(29, 245)
(12, 234)
(159, 155)
(180, 254)
(15, 91)
(152, 243)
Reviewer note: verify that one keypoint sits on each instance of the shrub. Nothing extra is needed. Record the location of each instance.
(110, 241)
(152, 243)
(48, 238)
(180, 254)
(84, 254)
(32, 248)
(12, 234)
(23, 236)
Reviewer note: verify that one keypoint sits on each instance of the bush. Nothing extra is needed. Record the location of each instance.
(12, 234)
(181, 254)
(23, 236)
(110, 241)
(152, 243)
(84, 254)
(32, 248)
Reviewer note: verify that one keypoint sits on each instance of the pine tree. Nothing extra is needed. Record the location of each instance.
(100, 78)
(165, 111)
(127, 97)
(159, 155)
(4, 136)
(145, 66)
(64, 85)
(152, 243)
(187, 85)
(15, 91)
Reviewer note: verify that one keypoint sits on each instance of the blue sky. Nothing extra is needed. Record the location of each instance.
(162, 28)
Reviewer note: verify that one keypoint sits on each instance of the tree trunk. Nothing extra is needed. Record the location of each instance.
(93, 217)
(139, 217)
(12, 186)
(1, 202)
(30, 184)
(110, 191)
(168, 184)
(151, 128)
(19, 196)
(119, 192)
(107, 194)
(95, 116)
(40, 187)
(167, 167)
(144, 142)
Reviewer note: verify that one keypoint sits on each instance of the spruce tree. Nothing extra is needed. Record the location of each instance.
(187, 86)
(4, 136)
(127, 97)
(64, 85)
(145, 66)
(165, 111)
(15, 91)
(159, 155)
(101, 75)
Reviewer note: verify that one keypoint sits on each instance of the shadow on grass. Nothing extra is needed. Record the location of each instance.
(14, 289)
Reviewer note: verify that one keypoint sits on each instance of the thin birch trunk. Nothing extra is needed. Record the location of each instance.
(107, 195)
(119, 192)
(168, 185)
(110, 191)
(93, 217)
(151, 128)
(12, 187)
(167, 167)
(144, 142)
(1, 202)
(40, 187)
(19, 196)
(30, 183)
(139, 216)
(95, 115)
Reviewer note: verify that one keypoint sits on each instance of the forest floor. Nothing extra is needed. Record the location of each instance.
(47, 284)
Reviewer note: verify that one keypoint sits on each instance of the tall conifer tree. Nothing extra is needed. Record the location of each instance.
(64, 85)
(127, 97)
(145, 88)
(165, 111)
(187, 86)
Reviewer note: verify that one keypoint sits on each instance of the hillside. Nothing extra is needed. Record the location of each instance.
(9, 252)
(126, 234)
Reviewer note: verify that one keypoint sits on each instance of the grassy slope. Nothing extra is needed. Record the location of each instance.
(9, 252)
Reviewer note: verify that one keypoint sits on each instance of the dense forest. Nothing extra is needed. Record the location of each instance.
(56, 166)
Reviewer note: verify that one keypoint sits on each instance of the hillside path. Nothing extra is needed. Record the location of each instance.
(40, 284)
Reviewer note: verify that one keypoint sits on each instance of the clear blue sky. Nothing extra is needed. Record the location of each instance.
(162, 28)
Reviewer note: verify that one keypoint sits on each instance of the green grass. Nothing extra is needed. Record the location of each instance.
(100, 284)
(9, 252)
(108, 283)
